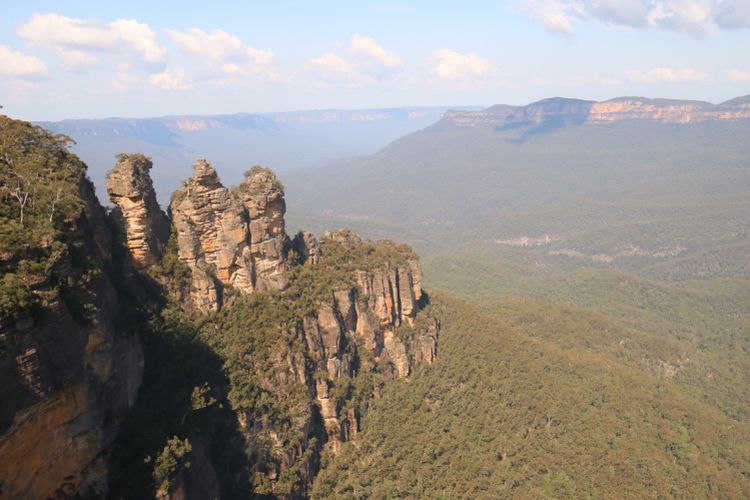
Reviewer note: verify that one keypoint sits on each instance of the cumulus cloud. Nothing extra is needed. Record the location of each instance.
(140, 37)
(364, 47)
(365, 64)
(17, 65)
(76, 59)
(330, 68)
(223, 52)
(171, 79)
(553, 14)
(667, 75)
(448, 64)
(739, 76)
(696, 17)
(72, 38)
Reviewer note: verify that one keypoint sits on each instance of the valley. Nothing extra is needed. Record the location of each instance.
(578, 323)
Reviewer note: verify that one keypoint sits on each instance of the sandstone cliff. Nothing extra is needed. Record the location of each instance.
(145, 225)
(614, 110)
(300, 335)
(327, 329)
(230, 238)
(212, 237)
(70, 366)
(359, 321)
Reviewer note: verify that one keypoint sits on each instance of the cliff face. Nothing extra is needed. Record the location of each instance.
(146, 226)
(298, 343)
(618, 109)
(344, 312)
(378, 312)
(70, 369)
(230, 238)
(263, 197)
(212, 237)
(358, 320)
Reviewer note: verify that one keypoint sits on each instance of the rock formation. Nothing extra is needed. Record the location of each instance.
(263, 196)
(342, 310)
(145, 225)
(212, 237)
(378, 313)
(230, 237)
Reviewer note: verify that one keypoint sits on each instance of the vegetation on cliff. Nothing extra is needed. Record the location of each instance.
(250, 360)
(40, 207)
(526, 400)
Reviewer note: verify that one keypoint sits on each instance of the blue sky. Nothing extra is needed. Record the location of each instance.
(79, 59)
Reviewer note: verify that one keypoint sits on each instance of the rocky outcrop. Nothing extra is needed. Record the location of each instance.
(144, 223)
(378, 313)
(67, 378)
(263, 197)
(230, 237)
(307, 247)
(615, 110)
(212, 237)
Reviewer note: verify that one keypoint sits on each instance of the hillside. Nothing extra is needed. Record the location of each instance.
(531, 400)
(664, 197)
(703, 327)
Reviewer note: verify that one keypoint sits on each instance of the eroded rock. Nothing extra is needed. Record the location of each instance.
(145, 225)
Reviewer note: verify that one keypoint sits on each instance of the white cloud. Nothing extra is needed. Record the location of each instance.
(666, 75)
(65, 35)
(367, 64)
(76, 59)
(126, 81)
(365, 47)
(448, 64)
(552, 13)
(737, 75)
(330, 68)
(171, 79)
(696, 17)
(224, 52)
(17, 65)
(57, 30)
(141, 38)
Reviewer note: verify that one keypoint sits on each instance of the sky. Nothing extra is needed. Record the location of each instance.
(81, 59)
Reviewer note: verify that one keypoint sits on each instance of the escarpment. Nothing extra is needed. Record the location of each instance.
(313, 329)
(561, 110)
(260, 352)
(70, 363)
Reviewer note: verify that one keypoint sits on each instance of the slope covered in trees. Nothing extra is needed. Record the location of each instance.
(535, 400)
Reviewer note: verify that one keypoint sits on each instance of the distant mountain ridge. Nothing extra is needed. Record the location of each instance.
(651, 185)
(284, 140)
(617, 109)
(166, 129)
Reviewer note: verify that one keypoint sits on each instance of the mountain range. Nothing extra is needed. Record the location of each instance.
(581, 329)
(279, 140)
(658, 186)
